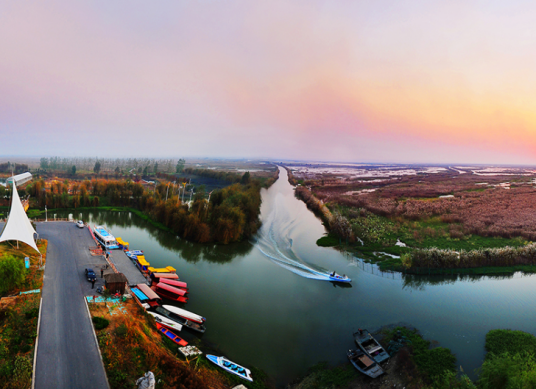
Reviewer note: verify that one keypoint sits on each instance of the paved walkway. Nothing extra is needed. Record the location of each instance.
(67, 355)
(124, 265)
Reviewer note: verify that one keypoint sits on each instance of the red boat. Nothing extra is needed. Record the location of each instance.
(170, 292)
(178, 284)
(176, 338)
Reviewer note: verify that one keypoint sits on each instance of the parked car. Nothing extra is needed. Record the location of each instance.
(80, 224)
(90, 275)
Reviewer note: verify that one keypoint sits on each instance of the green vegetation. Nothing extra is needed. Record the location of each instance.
(431, 363)
(328, 241)
(12, 273)
(510, 361)
(100, 322)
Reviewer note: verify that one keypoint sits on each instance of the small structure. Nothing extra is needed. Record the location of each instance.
(115, 282)
(18, 226)
(19, 179)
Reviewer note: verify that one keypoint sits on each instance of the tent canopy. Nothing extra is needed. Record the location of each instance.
(18, 226)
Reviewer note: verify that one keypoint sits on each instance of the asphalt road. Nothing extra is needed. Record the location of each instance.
(67, 355)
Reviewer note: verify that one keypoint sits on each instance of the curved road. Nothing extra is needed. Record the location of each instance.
(67, 354)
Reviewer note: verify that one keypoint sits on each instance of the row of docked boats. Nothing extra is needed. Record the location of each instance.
(165, 283)
(369, 356)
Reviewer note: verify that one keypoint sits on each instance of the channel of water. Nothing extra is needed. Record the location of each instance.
(265, 306)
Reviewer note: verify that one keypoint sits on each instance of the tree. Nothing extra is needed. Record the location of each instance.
(73, 170)
(245, 178)
(44, 163)
(12, 273)
(155, 167)
(146, 170)
(97, 167)
(180, 165)
(117, 170)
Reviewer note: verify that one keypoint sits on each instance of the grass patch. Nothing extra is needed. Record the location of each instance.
(328, 241)
(431, 363)
(509, 341)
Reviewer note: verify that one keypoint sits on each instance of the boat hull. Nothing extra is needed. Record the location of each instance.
(166, 322)
(186, 314)
(175, 338)
(370, 346)
(360, 361)
(221, 361)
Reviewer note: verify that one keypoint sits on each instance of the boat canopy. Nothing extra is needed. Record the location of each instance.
(122, 242)
(167, 269)
(170, 276)
(141, 260)
(169, 288)
(179, 284)
(148, 292)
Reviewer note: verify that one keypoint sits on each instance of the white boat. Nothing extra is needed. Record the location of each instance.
(166, 322)
(105, 238)
(231, 367)
(184, 313)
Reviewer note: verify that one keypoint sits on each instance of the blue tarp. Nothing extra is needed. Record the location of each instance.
(139, 294)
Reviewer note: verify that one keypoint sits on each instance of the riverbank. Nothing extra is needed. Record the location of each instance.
(19, 312)
(418, 363)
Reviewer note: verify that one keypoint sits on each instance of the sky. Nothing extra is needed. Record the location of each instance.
(353, 81)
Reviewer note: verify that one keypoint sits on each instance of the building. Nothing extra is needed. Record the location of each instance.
(19, 179)
(115, 282)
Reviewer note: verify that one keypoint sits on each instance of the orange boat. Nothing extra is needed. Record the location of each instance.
(176, 338)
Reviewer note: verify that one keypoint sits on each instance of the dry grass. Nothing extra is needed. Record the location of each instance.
(141, 348)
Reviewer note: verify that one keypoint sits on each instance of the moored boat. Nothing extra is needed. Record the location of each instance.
(199, 327)
(176, 338)
(231, 367)
(178, 284)
(169, 292)
(165, 321)
(105, 238)
(186, 314)
(369, 345)
(363, 363)
(338, 278)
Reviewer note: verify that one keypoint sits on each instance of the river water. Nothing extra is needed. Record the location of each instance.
(267, 305)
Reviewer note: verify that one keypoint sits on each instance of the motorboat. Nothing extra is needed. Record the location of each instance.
(363, 363)
(369, 345)
(179, 319)
(186, 314)
(231, 367)
(338, 278)
(165, 321)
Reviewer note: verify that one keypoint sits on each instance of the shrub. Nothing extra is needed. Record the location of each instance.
(12, 273)
(100, 322)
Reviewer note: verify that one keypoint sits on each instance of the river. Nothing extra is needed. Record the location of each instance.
(265, 305)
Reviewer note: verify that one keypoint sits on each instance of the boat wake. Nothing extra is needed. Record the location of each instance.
(279, 250)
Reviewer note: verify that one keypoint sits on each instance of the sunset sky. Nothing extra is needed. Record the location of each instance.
(362, 81)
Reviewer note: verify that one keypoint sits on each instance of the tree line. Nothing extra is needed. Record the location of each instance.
(225, 215)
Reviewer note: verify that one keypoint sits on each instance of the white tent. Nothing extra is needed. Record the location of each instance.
(18, 226)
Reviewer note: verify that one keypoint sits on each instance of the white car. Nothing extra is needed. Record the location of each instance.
(80, 224)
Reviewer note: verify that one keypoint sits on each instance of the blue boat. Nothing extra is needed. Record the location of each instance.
(231, 367)
(338, 278)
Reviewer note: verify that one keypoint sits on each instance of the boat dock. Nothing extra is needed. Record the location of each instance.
(124, 265)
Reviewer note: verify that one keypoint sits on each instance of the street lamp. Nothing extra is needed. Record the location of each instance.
(46, 217)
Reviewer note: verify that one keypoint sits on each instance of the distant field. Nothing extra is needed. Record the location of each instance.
(454, 207)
